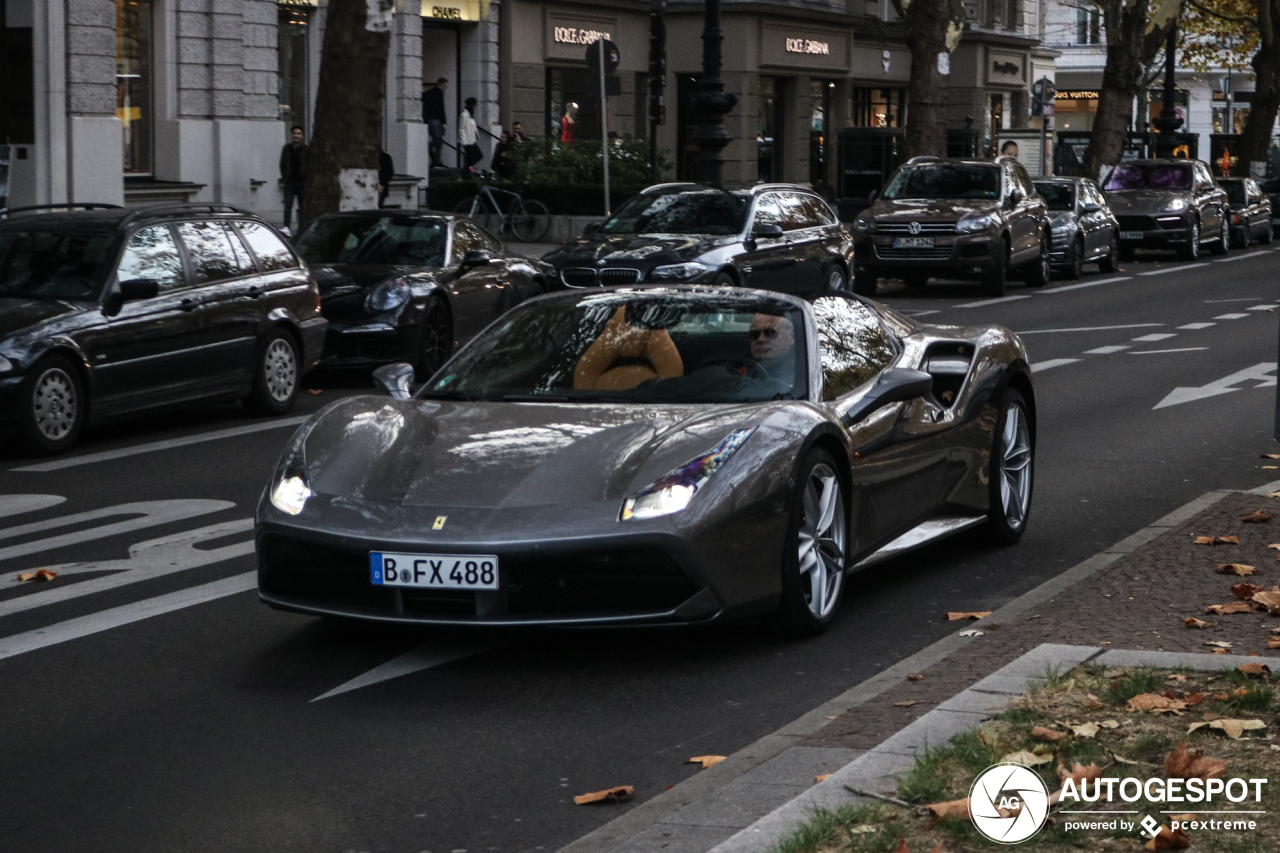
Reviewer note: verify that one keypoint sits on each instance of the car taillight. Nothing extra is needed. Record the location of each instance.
(317, 300)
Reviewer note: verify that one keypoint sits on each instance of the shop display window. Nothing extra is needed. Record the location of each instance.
(879, 107)
(573, 104)
(291, 67)
(134, 52)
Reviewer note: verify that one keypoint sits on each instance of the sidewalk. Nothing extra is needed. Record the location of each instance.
(1135, 595)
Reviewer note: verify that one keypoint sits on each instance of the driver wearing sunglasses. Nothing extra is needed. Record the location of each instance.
(772, 339)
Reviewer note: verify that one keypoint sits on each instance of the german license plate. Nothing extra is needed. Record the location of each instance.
(913, 242)
(1131, 235)
(434, 571)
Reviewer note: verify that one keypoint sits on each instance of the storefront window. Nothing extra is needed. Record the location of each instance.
(1075, 110)
(1088, 26)
(134, 46)
(573, 104)
(769, 149)
(879, 107)
(291, 56)
(820, 147)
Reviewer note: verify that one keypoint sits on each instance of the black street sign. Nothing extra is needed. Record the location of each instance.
(611, 56)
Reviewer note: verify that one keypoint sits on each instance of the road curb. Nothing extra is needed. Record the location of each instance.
(657, 824)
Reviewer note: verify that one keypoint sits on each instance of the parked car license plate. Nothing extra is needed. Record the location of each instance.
(913, 242)
(434, 571)
(1131, 235)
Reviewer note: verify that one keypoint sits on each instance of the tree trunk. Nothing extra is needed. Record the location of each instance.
(933, 28)
(343, 162)
(1121, 81)
(1256, 139)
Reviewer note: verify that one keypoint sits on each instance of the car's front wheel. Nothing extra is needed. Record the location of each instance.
(1012, 454)
(275, 376)
(1110, 262)
(53, 406)
(1222, 245)
(816, 550)
(435, 339)
(1191, 251)
(835, 280)
(1077, 260)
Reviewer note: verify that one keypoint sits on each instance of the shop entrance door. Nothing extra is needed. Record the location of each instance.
(17, 107)
(440, 51)
(820, 136)
(769, 131)
(291, 54)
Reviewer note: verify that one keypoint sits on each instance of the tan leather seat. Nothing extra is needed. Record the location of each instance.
(599, 370)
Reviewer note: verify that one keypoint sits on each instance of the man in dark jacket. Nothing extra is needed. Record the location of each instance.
(433, 113)
(386, 171)
(293, 172)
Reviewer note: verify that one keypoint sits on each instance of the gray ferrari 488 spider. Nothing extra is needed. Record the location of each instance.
(651, 455)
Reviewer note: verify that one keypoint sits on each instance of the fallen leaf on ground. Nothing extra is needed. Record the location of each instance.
(314, 392)
(1042, 733)
(1269, 599)
(1194, 698)
(1182, 764)
(1275, 546)
(907, 703)
(1218, 644)
(951, 810)
(1109, 724)
(1030, 759)
(1078, 774)
(1273, 642)
(1153, 702)
(916, 677)
(1217, 540)
(1246, 590)
(1193, 622)
(1233, 607)
(972, 633)
(863, 829)
(38, 575)
(822, 778)
(956, 616)
(1274, 495)
(1085, 730)
(618, 794)
(1270, 456)
(705, 760)
(1261, 670)
(1175, 677)
(1220, 652)
(1120, 759)
(1256, 517)
(1231, 728)
(1169, 839)
(1235, 569)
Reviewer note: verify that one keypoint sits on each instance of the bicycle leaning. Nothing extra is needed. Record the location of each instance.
(528, 221)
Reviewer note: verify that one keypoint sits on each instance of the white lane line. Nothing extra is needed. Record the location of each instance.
(1230, 316)
(911, 312)
(1263, 308)
(154, 513)
(1156, 337)
(1175, 269)
(1158, 351)
(1105, 350)
(1051, 363)
(1091, 328)
(18, 504)
(1216, 301)
(152, 447)
(423, 657)
(992, 301)
(1238, 258)
(1088, 284)
(1194, 326)
(146, 560)
(105, 620)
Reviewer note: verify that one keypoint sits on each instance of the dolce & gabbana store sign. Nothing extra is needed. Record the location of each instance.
(567, 36)
(787, 46)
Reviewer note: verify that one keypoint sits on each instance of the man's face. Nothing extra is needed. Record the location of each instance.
(517, 129)
(771, 337)
(443, 86)
(1010, 150)
(296, 136)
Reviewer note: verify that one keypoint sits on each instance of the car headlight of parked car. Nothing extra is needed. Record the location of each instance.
(289, 487)
(1175, 205)
(673, 492)
(976, 223)
(867, 226)
(387, 296)
(678, 272)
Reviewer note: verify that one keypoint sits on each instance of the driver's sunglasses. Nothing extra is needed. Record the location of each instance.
(755, 334)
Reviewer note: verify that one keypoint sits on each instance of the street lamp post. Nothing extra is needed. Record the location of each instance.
(712, 102)
(1168, 122)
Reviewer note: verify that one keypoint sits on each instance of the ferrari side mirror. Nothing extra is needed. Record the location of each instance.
(894, 386)
(396, 379)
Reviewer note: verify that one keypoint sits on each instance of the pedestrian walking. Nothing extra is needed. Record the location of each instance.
(386, 171)
(293, 173)
(437, 119)
(471, 153)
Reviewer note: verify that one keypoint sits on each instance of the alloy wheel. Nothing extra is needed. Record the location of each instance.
(54, 404)
(280, 369)
(822, 541)
(835, 281)
(1015, 467)
(436, 343)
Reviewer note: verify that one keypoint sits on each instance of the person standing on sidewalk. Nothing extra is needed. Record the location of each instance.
(386, 171)
(293, 173)
(471, 153)
(436, 118)
(517, 133)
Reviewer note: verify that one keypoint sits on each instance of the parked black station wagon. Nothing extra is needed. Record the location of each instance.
(779, 237)
(106, 312)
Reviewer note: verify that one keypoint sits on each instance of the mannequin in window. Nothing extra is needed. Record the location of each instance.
(567, 121)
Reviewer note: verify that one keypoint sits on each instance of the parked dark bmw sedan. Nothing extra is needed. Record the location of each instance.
(777, 237)
(1083, 228)
(399, 285)
(106, 312)
(1250, 211)
(1168, 204)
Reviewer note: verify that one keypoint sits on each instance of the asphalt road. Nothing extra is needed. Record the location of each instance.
(153, 704)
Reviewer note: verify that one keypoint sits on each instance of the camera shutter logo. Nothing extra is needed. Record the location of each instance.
(1008, 803)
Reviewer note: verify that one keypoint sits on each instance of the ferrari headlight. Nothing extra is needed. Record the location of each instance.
(678, 272)
(387, 296)
(673, 492)
(976, 223)
(1175, 205)
(290, 493)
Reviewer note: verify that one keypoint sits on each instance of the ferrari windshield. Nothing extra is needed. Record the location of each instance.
(945, 180)
(54, 264)
(1149, 176)
(358, 239)
(700, 212)
(635, 347)
(1058, 196)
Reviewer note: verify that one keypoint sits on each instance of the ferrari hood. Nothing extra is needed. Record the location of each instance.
(494, 455)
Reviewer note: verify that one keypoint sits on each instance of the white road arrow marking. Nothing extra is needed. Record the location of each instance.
(154, 513)
(18, 504)
(1259, 373)
(423, 657)
(146, 560)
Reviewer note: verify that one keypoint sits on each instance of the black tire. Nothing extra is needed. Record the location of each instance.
(795, 615)
(1038, 273)
(435, 339)
(724, 279)
(53, 406)
(1110, 262)
(1246, 237)
(1005, 525)
(915, 281)
(865, 284)
(1077, 260)
(530, 221)
(1269, 234)
(1191, 251)
(993, 282)
(835, 280)
(1222, 245)
(276, 375)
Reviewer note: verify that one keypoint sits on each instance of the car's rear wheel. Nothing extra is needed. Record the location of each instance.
(1012, 454)
(1077, 260)
(53, 406)
(275, 378)
(816, 551)
(435, 339)
(994, 281)
(1222, 245)
(1191, 251)
(1110, 262)
(724, 279)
